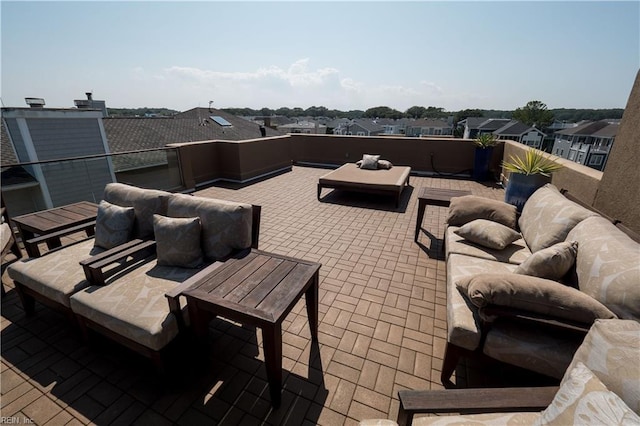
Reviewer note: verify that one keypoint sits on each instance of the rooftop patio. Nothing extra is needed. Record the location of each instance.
(382, 327)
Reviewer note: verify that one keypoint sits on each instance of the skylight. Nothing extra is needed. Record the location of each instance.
(221, 121)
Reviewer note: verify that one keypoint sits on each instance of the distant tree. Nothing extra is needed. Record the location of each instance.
(415, 112)
(297, 112)
(466, 113)
(315, 111)
(266, 112)
(434, 112)
(382, 112)
(534, 112)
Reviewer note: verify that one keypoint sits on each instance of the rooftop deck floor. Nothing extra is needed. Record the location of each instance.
(382, 327)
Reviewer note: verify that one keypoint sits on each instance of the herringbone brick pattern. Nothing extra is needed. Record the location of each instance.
(382, 327)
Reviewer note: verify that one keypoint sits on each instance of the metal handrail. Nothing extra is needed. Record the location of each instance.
(86, 157)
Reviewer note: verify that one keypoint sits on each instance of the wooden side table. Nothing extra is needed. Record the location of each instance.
(53, 220)
(260, 289)
(434, 197)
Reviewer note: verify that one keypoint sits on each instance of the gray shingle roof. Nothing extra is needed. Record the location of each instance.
(608, 132)
(585, 129)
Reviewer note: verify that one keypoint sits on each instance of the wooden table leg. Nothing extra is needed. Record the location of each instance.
(198, 318)
(311, 299)
(272, 343)
(422, 205)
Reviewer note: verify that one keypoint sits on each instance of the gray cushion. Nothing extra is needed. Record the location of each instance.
(146, 203)
(178, 241)
(226, 226)
(470, 207)
(551, 263)
(488, 234)
(370, 162)
(114, 225)
(533, 294)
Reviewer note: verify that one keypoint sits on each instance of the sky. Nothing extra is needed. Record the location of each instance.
(342, 55)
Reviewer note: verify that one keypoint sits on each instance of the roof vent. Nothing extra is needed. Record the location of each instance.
(34, 102)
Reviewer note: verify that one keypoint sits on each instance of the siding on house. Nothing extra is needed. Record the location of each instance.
(55, 138)
(74, 181)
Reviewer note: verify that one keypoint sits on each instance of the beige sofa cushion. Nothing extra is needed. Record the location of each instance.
(57, 274)
(515, 253)
(551, 263)
(584, 399)
(611, 350)
(146, 203)
(134, 305)
(463, 322)
(488, 234)
(226, 226)
(608, 266)
(533, 294)
(471, 207)
(547, 217)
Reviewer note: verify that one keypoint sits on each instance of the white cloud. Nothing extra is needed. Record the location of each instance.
(298, 84)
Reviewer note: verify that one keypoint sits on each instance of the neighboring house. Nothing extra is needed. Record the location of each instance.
(475, 126)
(518, 131)
(392, 126)
(308, 127)
(359, 127)
(38, 134)
(428, 127)
(588, 143)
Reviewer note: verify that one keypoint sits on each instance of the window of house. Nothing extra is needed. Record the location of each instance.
(360, 133)
(595, 160)
(572, 155)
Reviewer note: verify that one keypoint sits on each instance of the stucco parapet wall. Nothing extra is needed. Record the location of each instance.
(214, 141)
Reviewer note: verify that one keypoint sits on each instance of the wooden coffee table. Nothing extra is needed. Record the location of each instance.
(260, 289)
(53, 220)
(435, 197)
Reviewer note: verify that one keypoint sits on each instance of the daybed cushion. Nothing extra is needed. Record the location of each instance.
(57, 275)
(463, 322)
(608, 266)
(146, 203)
(551, 263)
(350, 175)
(548, 216)
(226, 225)
(178, 241)
(533, 294)
(611, 350)
(114, 225)
(488, 234)
(584, 399)
(134, 305)
(515, 253)
(471, 207)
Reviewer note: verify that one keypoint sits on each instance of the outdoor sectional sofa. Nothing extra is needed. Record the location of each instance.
(350, 177)
(534, 322)
(125, 292)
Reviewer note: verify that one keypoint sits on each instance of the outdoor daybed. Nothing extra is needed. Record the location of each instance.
(350, 177)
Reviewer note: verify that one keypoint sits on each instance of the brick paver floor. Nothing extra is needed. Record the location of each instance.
(382, 327)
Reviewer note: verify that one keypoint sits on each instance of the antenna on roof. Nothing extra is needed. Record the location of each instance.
(210, 103)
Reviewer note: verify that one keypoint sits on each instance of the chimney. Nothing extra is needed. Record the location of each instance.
(89, 96)
(263, 131)
(34, 102)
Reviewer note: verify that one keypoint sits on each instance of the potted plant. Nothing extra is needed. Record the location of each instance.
(484, 150)
(527, 175)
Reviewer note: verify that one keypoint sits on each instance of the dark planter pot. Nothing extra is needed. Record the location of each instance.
(521, 186)
(481, 163)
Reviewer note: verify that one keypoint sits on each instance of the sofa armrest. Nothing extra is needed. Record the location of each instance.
(491, 312)
(95, 268)
(473, 401)
(31, 245)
